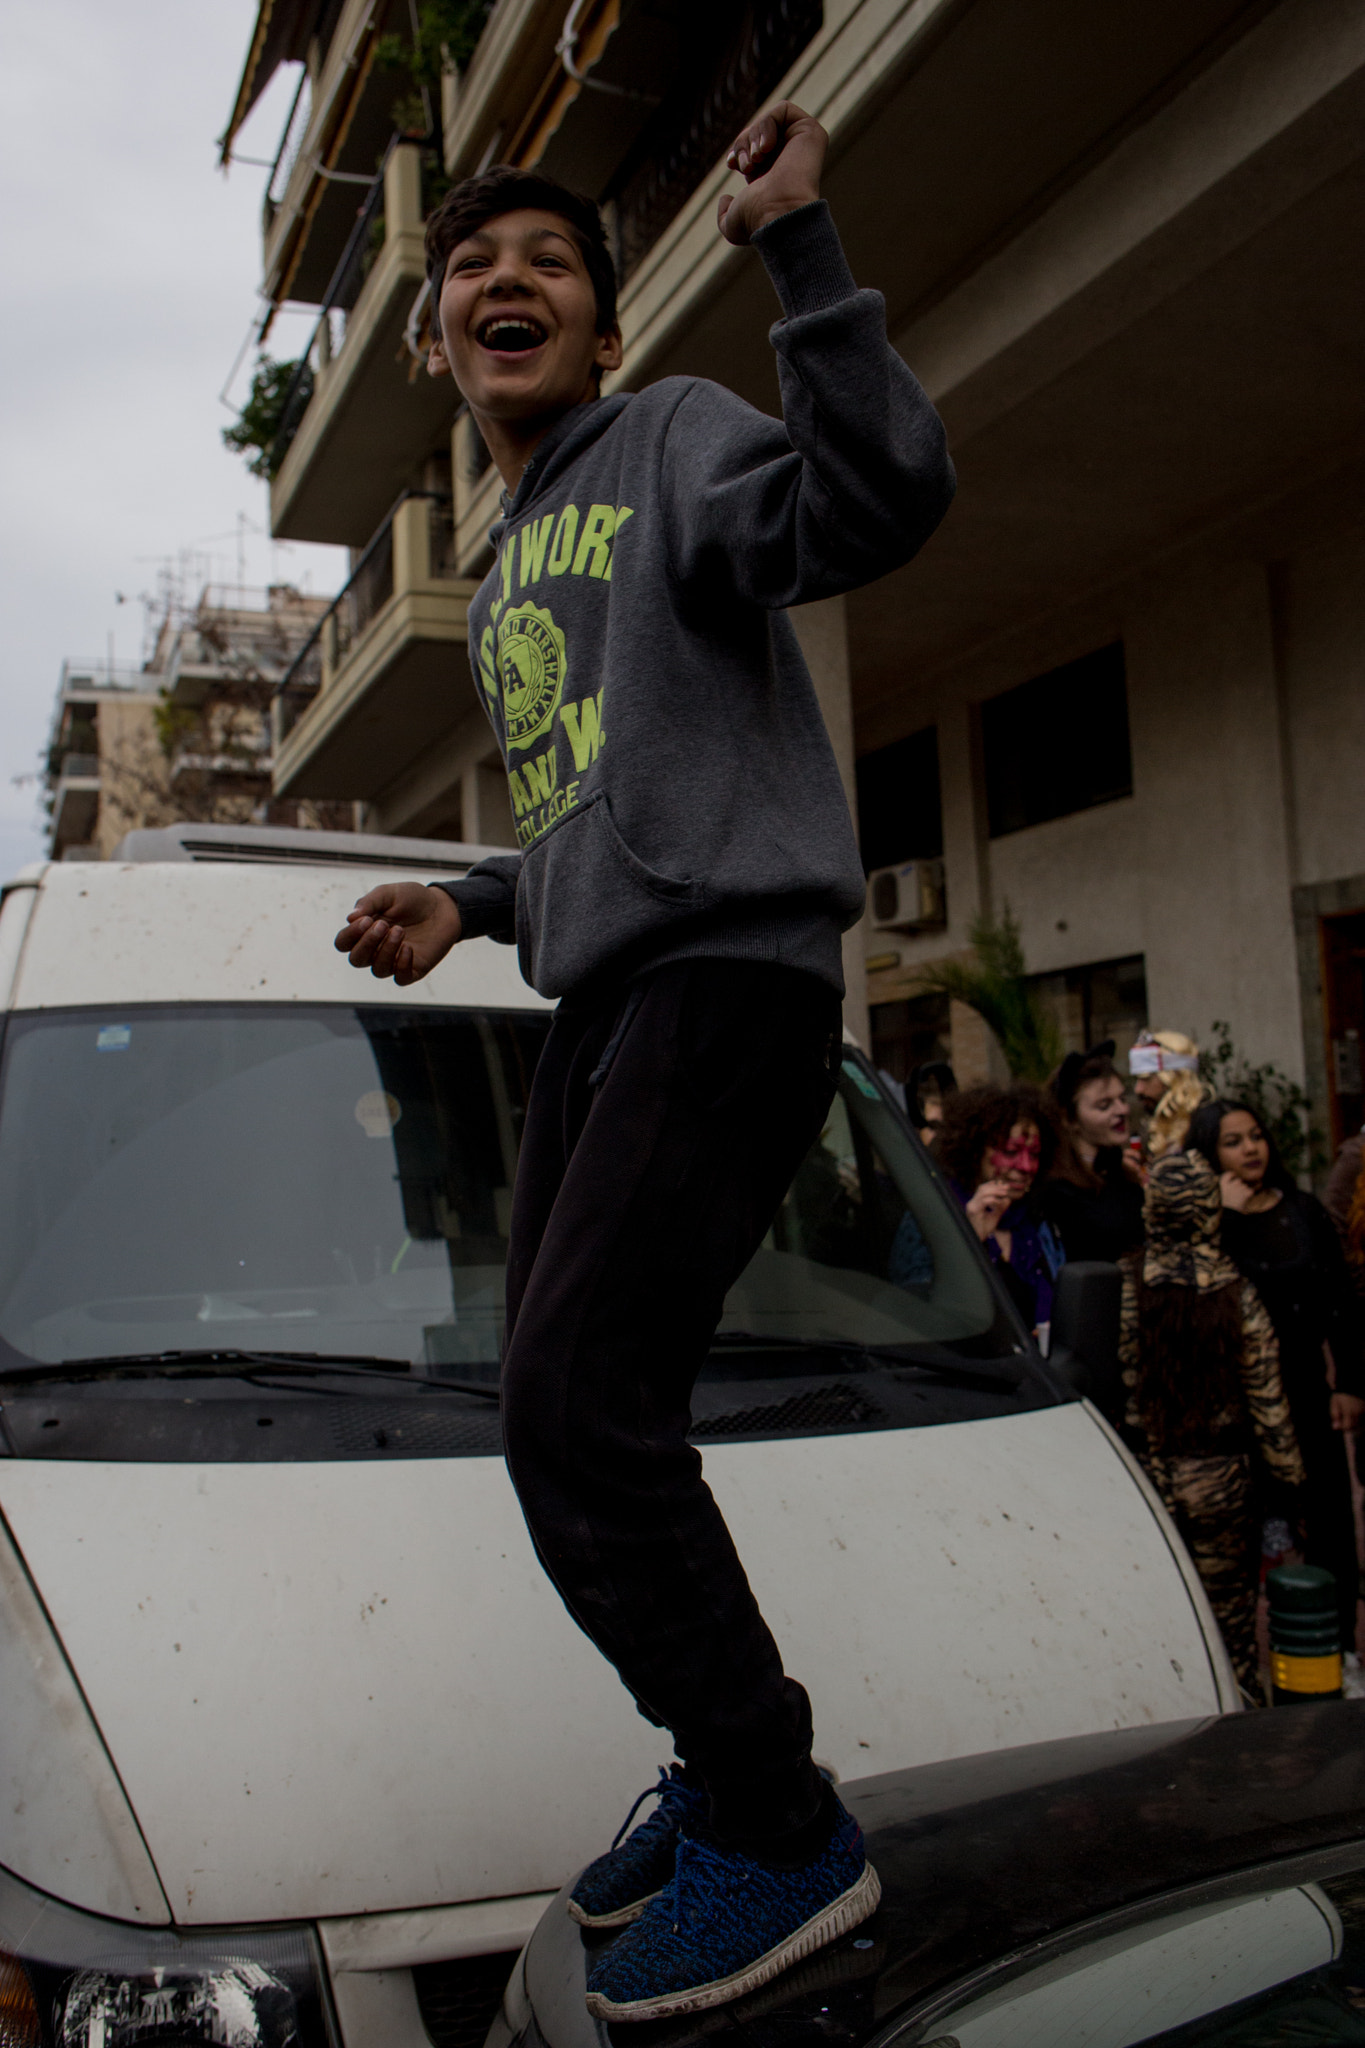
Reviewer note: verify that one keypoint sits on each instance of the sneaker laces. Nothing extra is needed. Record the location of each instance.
(675, 1799)
(697, 1873)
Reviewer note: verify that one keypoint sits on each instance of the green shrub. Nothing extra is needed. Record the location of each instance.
(258, 424)
(995, 985)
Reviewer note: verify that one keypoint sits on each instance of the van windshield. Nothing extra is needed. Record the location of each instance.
(336, 1181)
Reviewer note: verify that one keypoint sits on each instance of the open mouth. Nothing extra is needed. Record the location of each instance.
(511, 334)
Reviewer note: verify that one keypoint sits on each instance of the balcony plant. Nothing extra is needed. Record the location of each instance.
(257, 430)
(446, 36)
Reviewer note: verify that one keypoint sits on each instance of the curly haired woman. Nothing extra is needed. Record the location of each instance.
(1205, 1396)
(994, 1143)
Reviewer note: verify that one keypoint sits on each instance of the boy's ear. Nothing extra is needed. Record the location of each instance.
(438, 363)
(609, 350)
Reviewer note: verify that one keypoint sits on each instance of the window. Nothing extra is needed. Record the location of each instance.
(1058, 744)
(900, 813)
(907, 1034)
(1107, 999)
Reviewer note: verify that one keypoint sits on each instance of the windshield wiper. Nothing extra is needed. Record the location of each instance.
(837, 1347)
(911, 1357)
(222, 1363)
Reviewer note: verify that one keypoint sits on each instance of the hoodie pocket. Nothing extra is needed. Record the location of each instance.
(583, 897)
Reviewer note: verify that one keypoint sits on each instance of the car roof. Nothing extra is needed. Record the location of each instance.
(116, 933)
(984, 1857)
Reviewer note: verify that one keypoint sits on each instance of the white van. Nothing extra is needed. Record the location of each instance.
(295, 1737)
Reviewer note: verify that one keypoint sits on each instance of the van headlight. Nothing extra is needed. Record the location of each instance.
(71, 1980)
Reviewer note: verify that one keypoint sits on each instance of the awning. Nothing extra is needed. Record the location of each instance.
(280, 37)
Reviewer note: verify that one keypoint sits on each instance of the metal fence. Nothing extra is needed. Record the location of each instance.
(357, 259)
(356, 605)
(748, 52)
(291, 142)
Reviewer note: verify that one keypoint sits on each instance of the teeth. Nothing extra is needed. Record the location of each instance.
(493, 328)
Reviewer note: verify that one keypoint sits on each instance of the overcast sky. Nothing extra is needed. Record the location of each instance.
(131, 266)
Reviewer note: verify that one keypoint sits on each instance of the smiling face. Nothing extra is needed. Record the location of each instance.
(1100, 1116)
(1016, 1161)
(1242, 1148)
(518, 319)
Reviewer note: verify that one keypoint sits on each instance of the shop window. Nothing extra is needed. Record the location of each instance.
(1058, 743)
(900, 811)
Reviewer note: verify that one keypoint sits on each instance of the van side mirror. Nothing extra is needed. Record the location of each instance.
(1085, 1333)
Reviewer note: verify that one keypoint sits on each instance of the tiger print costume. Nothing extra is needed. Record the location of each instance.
(1202, 1369)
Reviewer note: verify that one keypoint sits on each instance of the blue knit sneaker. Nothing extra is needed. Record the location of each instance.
(726, 1924)
(617, 1887)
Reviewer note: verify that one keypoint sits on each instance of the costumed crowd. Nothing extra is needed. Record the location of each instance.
(1242, 1338)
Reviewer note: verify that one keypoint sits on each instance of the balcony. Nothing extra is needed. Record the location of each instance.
(373, 414)
(384, 680)
(75, 802)
(632, 101)
(335, 132)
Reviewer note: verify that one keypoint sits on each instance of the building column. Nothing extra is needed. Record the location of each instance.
(822, 629)
(1213, 861)
(485, 808)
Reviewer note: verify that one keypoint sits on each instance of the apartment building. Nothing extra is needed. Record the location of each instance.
(188, 735)
(1120, 691)
(104, 772)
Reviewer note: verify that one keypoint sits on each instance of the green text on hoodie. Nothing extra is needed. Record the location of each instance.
(674, 789)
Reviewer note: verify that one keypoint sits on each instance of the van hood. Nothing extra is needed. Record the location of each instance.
(341, 1689)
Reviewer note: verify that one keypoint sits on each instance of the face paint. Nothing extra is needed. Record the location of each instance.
(1019, 1156)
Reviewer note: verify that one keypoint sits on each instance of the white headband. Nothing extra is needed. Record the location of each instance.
(1154, 1059)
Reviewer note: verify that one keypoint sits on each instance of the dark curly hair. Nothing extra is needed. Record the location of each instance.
(469, 205)
(980, 1117)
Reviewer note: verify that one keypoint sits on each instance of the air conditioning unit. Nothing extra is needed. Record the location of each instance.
(909, 897)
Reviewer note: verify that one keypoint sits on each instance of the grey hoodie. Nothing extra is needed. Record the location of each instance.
(673, 786)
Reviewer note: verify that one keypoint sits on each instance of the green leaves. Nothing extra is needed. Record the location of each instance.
(995, 985)
(259, 422)
(448, 32)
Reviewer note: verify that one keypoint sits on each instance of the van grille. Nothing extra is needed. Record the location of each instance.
(372, 1428)
(375, 1429)
(821, 1408)
(458, 2001)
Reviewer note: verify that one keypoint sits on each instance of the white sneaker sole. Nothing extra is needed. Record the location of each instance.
(622, 1917)
(846, 1912)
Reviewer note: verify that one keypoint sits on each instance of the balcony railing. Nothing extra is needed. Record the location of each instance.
(752, 49)
(79, 768)
(363, 244)
(357, 604)
(291, 141)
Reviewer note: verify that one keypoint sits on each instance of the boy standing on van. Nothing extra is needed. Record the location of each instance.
(687, 866)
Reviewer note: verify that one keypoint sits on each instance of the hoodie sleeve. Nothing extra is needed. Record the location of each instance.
(487, 898)
(849, 483)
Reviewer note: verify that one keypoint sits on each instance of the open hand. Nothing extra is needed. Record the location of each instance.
(400, 930)
(988, 1205)
(780, 157)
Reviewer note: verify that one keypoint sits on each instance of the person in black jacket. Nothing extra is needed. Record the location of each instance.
(1284, 1242)
(1093, 1196)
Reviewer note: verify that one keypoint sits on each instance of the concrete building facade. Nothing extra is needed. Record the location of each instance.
(186, 737)
(1121, 690)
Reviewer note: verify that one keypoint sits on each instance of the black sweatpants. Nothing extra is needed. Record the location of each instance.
(666, 1120)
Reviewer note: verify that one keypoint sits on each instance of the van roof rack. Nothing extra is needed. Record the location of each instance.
(294, 844)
